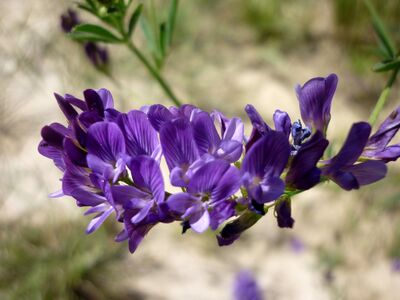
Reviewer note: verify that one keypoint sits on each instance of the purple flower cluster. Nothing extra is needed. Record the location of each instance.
(111, 161)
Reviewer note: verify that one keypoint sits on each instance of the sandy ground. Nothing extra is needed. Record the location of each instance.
(37, 61)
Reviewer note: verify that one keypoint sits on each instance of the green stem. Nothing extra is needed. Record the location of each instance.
(157, 76)
(382, 98)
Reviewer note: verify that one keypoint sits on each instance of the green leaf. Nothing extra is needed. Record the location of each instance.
(92, 32)
(163, 39)
(173, 10)
(381, 30)
(151, 40)
(134, 19)
(387, 65)
(91, 3)
(86, 7)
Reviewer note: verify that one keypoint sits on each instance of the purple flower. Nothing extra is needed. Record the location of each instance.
(159, 115)
(140, 201)
(377, 146)
(52, 144)
(263, 165)
(180, 150)
(69, 20)
(344, 169)
(97, 55)
(396, 265)
(140, 136)
(315, 98)
(297, 245)
(88, 190)
(135, 233)
(303, 173)
(282, 122)
(260, 128)
(209, 142)
(245, 287)
(283, 211)
(206, 201)
(106, 150)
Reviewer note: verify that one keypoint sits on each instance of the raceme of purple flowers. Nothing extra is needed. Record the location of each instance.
(111, 161)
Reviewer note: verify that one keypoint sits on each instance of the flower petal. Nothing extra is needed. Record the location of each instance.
(352, 147)
(315, 99)
(200, 221)
(54, 134)
(284, 214)
(229, 150)
(53, 153)
(146, 173)
(140, 136)
(303, 173)
(268, 190)
(268, 156)
(67, 109)
(80, 187)
(106, 141)
(106, 98)
(234, 130)
(256, 119)
(386, 132)
(96, 222)
(368, 172)
(94, 102)
(123, 194)
(282, 122)
(221, 212)
(390, 153)
(217, 178)
(178, 143)
(76, 102)
(74, 153)
(158, 115)
(205, 133)
(142, 213)
(181, 202)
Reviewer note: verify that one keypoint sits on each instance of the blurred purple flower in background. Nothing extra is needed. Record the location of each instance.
(245, 287)
(396, 265)
(97, 55)
(297, 245)
(69, 20)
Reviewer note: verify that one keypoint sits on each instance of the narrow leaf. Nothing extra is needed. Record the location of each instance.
(387, 65)
(92, 4)
(151, 41)
(86, 7)
(381, 30)
(91, 32)
(163, 39)
(173, 10)
(134, 19)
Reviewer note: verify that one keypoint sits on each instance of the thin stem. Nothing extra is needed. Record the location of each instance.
(382, 98)
(164, 85)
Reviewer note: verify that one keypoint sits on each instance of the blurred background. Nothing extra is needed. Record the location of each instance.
(225, 54)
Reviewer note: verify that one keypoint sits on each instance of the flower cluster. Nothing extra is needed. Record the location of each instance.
(111, 161)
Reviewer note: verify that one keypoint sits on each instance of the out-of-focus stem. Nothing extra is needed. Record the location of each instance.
(382, 98)
(157, 76)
